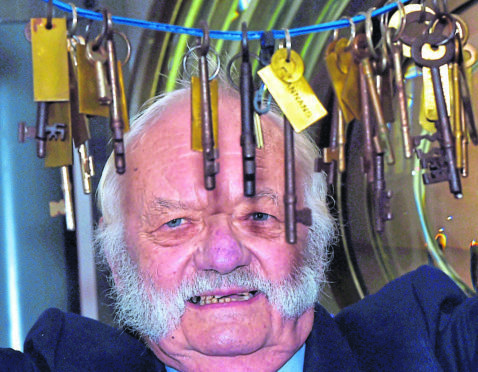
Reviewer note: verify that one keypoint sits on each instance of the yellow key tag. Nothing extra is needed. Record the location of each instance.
(58, 136)
(87, 89)
(124, 105)
(196, 118)
(293, 94)
(50, 60)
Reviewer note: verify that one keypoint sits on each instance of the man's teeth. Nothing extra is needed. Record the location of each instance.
(207, 300)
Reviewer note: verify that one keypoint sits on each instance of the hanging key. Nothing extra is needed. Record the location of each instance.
(116, 114)
(396, 49)
(248, 142)
(441, 163)
(98, 57)
(292, 215)
(362, 55)
(80, 125)
(89, 99)
(366, 118)
(464, 92)
(457, 106)
(210, 153)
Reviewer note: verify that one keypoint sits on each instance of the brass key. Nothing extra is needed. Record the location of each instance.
(396, 49)
(362, 55)
(99, 59)
(368, 151)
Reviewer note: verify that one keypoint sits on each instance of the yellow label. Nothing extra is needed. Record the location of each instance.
(50, 60)
(297, 100)
(196, 117)
(58, 143)
(87, 90)
(124, 105)
(342, 70)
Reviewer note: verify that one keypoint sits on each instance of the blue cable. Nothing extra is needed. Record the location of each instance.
(224, 35)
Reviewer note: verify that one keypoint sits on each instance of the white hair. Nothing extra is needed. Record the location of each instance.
(140, 305)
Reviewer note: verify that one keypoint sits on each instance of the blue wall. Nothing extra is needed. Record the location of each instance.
(32, 258)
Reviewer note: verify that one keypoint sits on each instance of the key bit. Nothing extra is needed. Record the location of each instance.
(55, 132)
(87, 168)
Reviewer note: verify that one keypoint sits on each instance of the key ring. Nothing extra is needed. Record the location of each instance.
(287, 43)
(384, 20)
(74, 21)
(259, 99)
(197, 48)
(353, 30)
(369, 31)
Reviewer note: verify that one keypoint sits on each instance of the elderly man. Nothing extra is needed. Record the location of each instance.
(208, 283)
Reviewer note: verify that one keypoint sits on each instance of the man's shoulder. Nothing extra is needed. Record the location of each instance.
(409, 322)
(69, 342)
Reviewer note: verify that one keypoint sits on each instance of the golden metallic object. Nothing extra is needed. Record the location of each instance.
(50, 60)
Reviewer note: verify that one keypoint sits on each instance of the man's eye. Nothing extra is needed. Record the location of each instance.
(259, 216)
(175, 222)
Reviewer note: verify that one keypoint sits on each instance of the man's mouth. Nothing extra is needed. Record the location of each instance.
(221, 299)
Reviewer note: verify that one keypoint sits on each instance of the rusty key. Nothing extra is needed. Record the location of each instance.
(210, 154)
(248, 142)
(361, 51)
(447, 168)
(292, 215)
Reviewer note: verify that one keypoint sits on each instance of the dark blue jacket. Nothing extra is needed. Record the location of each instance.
(420, 322)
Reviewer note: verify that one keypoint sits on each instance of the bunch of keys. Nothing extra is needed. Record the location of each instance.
(109, 88)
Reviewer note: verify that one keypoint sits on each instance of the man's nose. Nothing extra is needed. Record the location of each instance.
(221, 250)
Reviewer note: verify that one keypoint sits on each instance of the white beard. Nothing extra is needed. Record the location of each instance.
(154, 312)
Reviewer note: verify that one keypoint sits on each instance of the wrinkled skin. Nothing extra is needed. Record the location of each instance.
(218, 230)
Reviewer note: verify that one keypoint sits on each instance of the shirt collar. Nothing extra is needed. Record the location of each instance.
(294, 364)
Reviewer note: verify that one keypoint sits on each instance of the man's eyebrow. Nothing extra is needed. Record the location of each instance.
(160, 205)
(266, 193)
